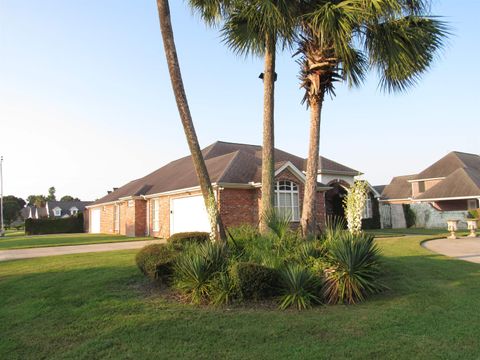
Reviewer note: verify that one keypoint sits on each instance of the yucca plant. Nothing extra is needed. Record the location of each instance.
(334, 227)
(300, 288)
(277, 222)
(222, 289)
(354, 269)
(195, 269)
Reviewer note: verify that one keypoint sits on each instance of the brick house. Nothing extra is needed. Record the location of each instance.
(447, 189)
(169, 200)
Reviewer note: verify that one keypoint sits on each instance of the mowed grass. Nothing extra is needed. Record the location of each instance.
(16, 240)
(93, 306)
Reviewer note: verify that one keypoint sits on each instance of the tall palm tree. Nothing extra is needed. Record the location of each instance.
(256, 27)
(217, 229)
(340, 40)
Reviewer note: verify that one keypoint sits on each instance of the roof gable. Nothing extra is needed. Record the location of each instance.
(448, 164)
(464, 182)
(399, 188)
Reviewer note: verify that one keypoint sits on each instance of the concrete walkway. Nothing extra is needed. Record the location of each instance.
(467, 249)
(73, 249)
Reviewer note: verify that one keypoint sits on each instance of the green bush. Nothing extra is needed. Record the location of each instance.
(254, 281)
(222, 289)
(410, 217)
(68, 225)
(354, 269)
(299, 287)
(196, 267)
(186, 238)
(156, 261)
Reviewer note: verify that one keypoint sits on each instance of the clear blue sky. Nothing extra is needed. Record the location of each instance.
(86, 103)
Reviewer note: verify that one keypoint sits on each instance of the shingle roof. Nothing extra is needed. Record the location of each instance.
(327, 165)
(448, 164)
(399, 188)
(463, 182)
(226, 162)
(66, 206)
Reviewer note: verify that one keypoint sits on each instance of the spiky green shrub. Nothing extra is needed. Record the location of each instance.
(222, 289)
(334, 227)
(278, 223)
(300, 288)
(354, 269)
(254, 281)
(195, 268)
(156, 261)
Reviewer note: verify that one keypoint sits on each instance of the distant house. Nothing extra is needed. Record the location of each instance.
(445, 190)
(55, 209)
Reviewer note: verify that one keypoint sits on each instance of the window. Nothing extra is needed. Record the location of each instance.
(156, 215)
(472, 204)
(421, 187)
(117, 218)
(73, 211)
(57, 211)
(367, 211)
(286, 199)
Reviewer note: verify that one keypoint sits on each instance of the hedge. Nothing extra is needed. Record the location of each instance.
(72, 224)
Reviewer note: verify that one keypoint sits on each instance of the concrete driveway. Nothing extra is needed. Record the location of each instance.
(72, 249)
(467, 249)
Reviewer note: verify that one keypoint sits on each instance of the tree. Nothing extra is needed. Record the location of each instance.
(69, 198)
(51, 194)
(11, 208)
(339, 41)
(36, 200)
(255, 27)
(218, 231)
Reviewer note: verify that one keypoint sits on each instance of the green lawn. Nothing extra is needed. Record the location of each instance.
(18, 240)
(409, 231)
(99, 306)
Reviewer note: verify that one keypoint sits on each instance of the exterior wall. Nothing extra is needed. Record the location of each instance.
(106, 219)
(429, 217)
(428, 185)
(327, 178)
(237, 206)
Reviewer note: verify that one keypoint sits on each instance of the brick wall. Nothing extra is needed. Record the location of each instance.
(237, 207)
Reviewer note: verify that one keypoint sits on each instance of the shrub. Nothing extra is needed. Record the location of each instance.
(195, 269)
(222, 289)
(254, 281)
(300, 288)
(354, 268)
(185, 238)
(410, 217)
(156, 261)
(68, 225)
(278, 223)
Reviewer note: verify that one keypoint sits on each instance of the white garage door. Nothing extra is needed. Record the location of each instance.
(95, 221)
(188, 214)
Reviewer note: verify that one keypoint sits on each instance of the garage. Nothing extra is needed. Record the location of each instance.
(188, 214)
(95, 221)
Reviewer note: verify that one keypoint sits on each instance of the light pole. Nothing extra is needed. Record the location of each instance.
(2, 228)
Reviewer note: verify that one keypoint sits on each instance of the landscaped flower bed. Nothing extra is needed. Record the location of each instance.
(280, 267)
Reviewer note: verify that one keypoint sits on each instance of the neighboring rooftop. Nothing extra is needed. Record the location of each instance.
(399, 188)
(448, 164)
(460, 173)
(226, 163)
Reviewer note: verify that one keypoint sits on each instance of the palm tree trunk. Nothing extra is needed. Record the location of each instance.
(308, 221)
(268, 163)
(218, 231)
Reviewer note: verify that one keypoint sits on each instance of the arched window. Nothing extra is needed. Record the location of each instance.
(286, 199)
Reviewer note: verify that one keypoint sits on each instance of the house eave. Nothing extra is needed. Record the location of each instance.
(427, 179)
(448, 198)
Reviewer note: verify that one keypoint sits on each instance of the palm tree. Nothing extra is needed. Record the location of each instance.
(218, 231)
(340, 40)
(255, 27)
